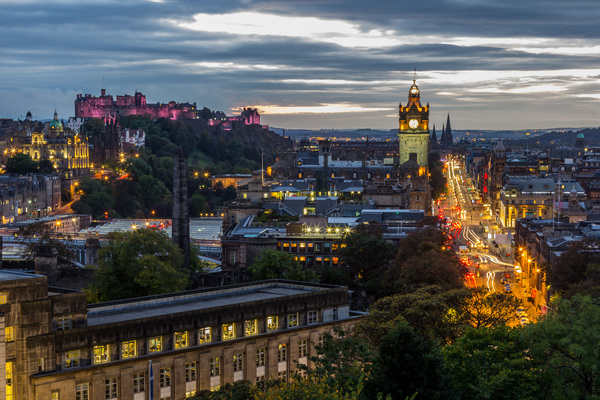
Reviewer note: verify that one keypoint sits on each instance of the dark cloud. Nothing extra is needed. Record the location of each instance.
(491, 64)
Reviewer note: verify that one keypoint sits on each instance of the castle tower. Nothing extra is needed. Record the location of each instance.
(413, 132)
(181, 215)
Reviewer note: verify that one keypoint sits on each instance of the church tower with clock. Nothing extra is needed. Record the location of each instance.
(413, 133)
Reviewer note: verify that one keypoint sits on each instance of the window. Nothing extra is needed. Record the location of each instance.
(181, 340)
(110, 388)
(238, 362)
(334, 314)
(139, 382)
(260, 357)
(155, 344)
(129, 349)
(204, 335)
(292, 320)
(165, 377)
(63, 323)
(40, 364)
(82, 392)
(250, 327)
(282, 352)
(9, 379)
(3, 298)
(215, 366)
(190, 371)
(312, 317)
(55, 395)
(272, 323)
(228, 331)
(9, 334)
(72, 358)
(232, 257)
(101, 355)
(302, 348)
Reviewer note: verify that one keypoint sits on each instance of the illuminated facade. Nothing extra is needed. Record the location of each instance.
(104, 106)
(413, 135)
(68, 151)
(56, 346)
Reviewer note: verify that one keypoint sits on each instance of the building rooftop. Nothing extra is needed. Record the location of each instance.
(173, 303)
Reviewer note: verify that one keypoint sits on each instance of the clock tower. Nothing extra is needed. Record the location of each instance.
(413, 133)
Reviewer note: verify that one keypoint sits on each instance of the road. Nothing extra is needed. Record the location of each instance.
(471, 224)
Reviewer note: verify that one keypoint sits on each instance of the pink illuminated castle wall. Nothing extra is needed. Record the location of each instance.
(104, 106)
(249, 116)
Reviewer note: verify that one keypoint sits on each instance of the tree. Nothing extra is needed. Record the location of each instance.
(495, 363)
(432, 311)
(141, 262)
(151, 191)
(406, 364)
(21, 163)
(94, 127)
(273, 264)
(437, 313)
(485, 309)
(565, 343)
(577, 270)
(366, 254)
(341, 363)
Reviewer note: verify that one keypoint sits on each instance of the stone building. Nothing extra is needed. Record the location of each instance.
(65, 149)
(56, 346)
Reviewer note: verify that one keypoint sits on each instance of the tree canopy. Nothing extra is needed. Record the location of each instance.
(273, 264)
(138, 263)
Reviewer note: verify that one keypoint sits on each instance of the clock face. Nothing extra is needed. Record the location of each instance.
(413, 123)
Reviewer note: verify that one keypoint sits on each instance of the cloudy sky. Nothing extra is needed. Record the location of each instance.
(490, 64)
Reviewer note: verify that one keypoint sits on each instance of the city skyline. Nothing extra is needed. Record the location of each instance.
(334, 64)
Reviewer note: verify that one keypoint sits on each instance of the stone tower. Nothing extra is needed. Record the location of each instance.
(181, 215)
(413, 132)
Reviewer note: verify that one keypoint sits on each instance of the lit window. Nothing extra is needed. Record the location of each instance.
(260, 357)
(110, 388)
(292, 320)
(129, 349)
(9, 379)
(3, 298)
(155, 344)
(101, 354)
(302, 348)
(72, 358)
(190, 371)
(282, 352)
(9, 334)
(312, 317)
(204, 335)
(228, 331)
(55, 395)
(272, 323)
(82, 392)
(215, 366)
(165, 377)
(238, 362)
(181, 340)
(251, 327)
(139, 382)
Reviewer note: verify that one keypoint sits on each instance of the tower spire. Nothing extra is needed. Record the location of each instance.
(415, 75)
